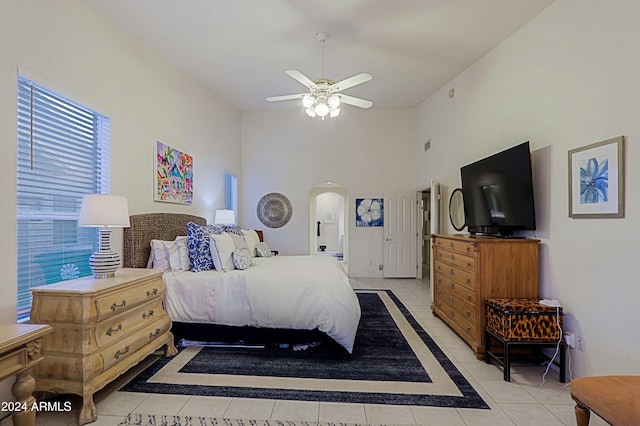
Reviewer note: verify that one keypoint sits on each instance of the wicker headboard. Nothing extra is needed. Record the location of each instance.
(152, 226)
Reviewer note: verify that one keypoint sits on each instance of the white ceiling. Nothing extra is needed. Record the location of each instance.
(241, 48)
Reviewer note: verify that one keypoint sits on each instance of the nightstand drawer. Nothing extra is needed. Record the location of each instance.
(114, 328)
(131, 344)
(122, 301)
(13, 362)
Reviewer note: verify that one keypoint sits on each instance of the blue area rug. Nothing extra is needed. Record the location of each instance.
(394, 361)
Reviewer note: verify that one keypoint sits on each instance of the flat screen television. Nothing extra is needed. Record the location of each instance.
(498, 193)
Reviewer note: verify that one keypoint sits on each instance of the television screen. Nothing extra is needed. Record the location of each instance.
(498, 192)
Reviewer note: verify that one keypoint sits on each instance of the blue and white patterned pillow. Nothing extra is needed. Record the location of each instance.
(199, 245)
(241, 258)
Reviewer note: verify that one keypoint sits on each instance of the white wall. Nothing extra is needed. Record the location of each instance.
(567, 79)
(69, 47)
(370, 152)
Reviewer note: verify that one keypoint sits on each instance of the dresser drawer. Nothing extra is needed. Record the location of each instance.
(451, 300)
(462, 247)
(121, 301)
(467, 263)
(462, 291)
(131, 344)
(114, 328)
(455, 273)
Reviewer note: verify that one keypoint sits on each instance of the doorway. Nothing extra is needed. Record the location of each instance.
(328, 215)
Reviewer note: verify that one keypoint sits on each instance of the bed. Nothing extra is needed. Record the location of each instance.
(280, 299)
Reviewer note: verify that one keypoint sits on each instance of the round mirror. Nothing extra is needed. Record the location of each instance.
(456, 210)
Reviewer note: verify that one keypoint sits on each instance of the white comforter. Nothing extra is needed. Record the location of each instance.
(293, 292)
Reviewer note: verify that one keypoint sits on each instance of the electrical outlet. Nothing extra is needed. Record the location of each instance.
(570, 339)
(580, 343)
(380, 267)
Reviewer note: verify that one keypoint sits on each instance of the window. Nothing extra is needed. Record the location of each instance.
(231, 193)
(63, 153)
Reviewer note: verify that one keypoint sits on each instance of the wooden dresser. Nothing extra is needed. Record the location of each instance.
(469, 269)
(101, 328)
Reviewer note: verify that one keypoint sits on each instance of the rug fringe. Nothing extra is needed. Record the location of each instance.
(137, 419)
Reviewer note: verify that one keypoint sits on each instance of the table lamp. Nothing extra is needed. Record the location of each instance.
(104, 211)
(225, 217)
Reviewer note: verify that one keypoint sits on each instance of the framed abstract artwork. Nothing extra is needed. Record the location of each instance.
(596, 180)
(369, 212)
(174, 175)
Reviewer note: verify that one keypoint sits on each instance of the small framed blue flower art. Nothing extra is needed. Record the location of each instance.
(369, 212)
(596, 180)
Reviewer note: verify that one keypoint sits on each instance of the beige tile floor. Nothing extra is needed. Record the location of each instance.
(526, 400)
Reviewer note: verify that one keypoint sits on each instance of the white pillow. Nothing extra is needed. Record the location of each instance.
(252, 239)
(179, 254)
(170, 255)
(159, 257)
(222, 248)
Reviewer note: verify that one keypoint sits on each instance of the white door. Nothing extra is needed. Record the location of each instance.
(400, 257)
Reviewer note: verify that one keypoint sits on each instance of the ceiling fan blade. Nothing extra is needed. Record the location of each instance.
(306, 81)
(285, 97)
(361, 103)
(350, 82)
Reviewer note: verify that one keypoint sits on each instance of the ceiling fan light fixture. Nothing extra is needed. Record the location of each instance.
(308, 100)
(310, 112)
(322, 109)
(333, 101)
(334, 112)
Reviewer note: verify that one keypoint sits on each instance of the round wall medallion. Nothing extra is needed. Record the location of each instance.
(274, 210)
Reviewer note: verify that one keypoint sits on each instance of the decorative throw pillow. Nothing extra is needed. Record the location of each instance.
(179, 254)
(263, 250)
(251, 237)
(199, 245)
(241, 258)
(239, 241)
(159, 258)
(233, 229)
(221, 249)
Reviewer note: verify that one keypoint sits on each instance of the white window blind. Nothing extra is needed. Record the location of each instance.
(231, 193)
(63, 153)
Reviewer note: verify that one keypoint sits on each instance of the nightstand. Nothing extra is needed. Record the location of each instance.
(101, 328)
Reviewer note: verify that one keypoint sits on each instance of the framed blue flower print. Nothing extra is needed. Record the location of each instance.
(596, 180)
(369, 212)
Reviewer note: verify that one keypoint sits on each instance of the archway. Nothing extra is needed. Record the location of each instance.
(328, 221)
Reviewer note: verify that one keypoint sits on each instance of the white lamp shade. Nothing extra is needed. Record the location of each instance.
(104, 210)
(225, 217)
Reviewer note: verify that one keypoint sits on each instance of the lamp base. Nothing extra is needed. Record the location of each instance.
(105, 262)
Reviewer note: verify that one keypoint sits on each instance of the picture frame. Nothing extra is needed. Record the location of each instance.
(329, 217)
(596, 180)
(174, 175)
(369, 212)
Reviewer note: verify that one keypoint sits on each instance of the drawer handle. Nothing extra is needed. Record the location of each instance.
(468, 296)
(468, 312)
(452, 257)
(119, 354)
(453, 314)
(468, 264)
(152, 292)
(452, 285)
(152, 334)
(468, 329)
(147, 315)
(468, 281)
(452, 272)
(116, 306)
(468, 250)
(451, 299)
(451, 244)
(112, 330)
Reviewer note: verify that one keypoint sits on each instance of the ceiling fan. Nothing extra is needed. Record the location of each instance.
(324, 98)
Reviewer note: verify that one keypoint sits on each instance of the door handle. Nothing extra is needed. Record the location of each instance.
(387, 239)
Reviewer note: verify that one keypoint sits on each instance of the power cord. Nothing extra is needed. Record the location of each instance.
(557, 346)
